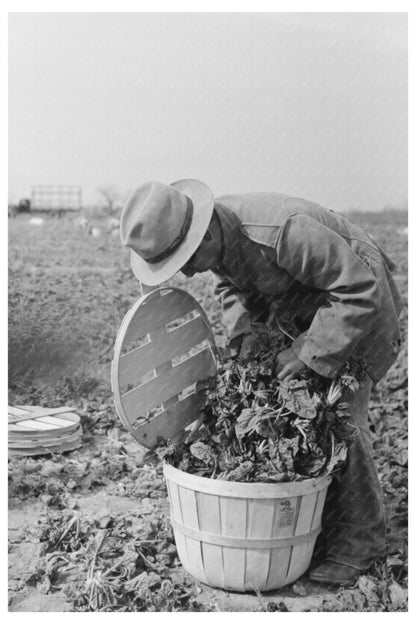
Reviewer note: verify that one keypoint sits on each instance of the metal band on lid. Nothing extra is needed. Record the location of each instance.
(178, 240)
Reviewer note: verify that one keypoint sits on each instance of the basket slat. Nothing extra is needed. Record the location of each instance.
(234, 568)
(233, 516)
(318, 509)
(306, 513)
(181, 546)
(175, 503)
(209, 513)
(260, 518)
(194, 549)
(299, 562)
(188, 507)
(279, 563)
(257, 568)
(213, 563)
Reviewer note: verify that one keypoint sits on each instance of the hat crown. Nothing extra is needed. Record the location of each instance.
(153, 219)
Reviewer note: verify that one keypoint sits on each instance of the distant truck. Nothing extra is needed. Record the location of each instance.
(55, 198)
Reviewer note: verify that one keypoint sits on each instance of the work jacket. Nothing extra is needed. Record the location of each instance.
(327, 273)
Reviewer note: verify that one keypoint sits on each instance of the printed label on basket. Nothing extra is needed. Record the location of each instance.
(287, 513)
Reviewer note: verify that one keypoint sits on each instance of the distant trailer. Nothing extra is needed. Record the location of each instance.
(57, 199)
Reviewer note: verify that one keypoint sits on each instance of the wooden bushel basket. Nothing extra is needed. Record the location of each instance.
(236, 536)
(245, 536)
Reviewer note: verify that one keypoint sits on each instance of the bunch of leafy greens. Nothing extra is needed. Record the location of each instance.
(255, 428)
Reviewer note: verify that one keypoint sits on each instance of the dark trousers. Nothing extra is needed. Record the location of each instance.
(353, 520)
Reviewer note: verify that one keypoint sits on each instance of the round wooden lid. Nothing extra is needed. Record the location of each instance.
(165, 344)
(36, 430)
(37, 421)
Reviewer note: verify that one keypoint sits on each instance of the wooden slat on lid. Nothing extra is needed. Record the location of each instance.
(156, 312)
(148, 380)
(17, 414)
(30, 424)
(166, 423)
(29, 418)
(158, 390)
(166, 346)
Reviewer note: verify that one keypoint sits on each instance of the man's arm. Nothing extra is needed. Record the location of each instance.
(239, 310)
(319, 258)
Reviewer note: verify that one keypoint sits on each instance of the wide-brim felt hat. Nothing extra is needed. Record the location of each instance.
(163, 225)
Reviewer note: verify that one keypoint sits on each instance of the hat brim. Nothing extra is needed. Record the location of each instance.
(203, 206)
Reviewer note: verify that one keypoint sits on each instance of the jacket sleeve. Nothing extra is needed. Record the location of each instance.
(320, 258)
(239, 308)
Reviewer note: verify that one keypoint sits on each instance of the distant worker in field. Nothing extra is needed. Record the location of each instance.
(333, 280)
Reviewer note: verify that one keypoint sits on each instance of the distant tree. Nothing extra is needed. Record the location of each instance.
(22, 206)
(111, 196)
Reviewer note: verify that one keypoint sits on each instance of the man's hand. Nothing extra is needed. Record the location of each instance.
(288, 365)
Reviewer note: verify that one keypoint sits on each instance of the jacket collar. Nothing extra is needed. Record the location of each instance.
(230, 230)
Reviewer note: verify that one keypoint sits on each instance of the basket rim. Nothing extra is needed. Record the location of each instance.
(238, 489)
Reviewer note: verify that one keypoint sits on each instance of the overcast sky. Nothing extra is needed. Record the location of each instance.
(313, 105)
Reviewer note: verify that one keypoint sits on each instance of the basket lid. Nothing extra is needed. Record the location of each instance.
(36, 430)
(164, 346)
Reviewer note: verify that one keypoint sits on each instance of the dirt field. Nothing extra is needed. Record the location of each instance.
(89, 529)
